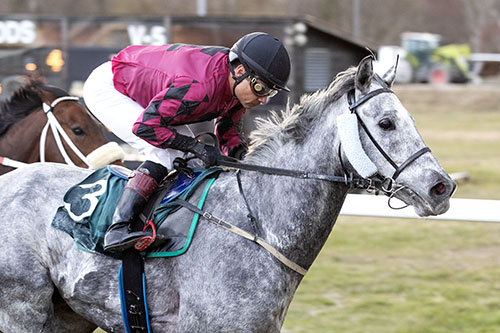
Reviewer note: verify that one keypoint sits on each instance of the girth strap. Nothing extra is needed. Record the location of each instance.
(228, 226)
(133, 293)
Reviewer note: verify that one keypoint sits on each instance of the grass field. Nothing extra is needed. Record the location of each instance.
(391, 275)
(394, 275)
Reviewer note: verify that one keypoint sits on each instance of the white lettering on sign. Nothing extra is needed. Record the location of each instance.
(139, 34)
(15, 32)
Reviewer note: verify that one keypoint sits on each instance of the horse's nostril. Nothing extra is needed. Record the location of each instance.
(439, 189)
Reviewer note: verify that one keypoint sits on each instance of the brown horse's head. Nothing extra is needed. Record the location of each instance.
(22, 120)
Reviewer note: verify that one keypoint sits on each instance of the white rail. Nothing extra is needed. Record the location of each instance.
(460, 209)
(487, 57)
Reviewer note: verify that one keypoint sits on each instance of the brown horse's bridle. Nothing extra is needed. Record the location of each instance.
(58, 131)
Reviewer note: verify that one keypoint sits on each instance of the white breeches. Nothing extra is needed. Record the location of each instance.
(119, 113)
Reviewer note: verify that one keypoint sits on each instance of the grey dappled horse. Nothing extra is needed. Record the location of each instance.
(223, 283)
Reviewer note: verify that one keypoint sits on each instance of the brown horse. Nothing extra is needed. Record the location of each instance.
(27, 135)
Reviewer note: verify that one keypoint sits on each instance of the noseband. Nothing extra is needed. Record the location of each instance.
(353, 105)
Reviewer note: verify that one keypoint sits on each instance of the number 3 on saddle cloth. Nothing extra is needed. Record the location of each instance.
(89, 206)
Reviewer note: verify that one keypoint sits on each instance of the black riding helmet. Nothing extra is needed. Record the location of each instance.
(264, 56)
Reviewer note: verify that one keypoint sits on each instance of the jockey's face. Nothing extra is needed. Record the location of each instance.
(244, 92)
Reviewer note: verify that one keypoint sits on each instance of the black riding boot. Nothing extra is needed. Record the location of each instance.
(141, 184)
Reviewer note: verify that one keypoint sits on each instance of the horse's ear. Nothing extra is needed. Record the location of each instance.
(391, 73)
(364, 74)
(46, 96)
(37, 84)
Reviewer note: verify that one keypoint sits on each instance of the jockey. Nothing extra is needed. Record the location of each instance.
(146, 95)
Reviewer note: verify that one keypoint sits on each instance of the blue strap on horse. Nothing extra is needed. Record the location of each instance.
(87, 213)
(131, 276)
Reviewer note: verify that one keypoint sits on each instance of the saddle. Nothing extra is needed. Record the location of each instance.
(89, 205)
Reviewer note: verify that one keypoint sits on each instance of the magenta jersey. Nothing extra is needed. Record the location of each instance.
(179, 84)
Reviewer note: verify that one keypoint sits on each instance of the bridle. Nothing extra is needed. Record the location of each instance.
(94, 160)
(353, 105)
(377, 182)
(56, 130)
(389, 185)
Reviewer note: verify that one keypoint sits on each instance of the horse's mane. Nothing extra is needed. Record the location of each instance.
(294, 123)
(24, 101)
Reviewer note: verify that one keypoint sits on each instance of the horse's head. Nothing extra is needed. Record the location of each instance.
(66, 132)
(80, 126)
(391, 147)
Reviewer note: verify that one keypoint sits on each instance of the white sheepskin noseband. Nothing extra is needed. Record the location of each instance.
(347, 125)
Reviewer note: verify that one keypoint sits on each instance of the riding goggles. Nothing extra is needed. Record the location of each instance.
(261, 89)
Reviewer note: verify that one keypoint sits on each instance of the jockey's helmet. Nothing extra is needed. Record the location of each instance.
(263, 56)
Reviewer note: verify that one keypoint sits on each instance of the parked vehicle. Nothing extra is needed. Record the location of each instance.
(422, 59)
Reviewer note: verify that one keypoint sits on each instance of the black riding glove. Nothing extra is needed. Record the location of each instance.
(207, 153)
(238, 152)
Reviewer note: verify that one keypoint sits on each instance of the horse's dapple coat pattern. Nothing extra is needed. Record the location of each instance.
(223, 283)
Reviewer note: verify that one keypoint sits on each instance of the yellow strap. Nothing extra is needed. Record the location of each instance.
(258, 240)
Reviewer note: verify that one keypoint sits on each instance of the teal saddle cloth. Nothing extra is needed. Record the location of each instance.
(89, 206)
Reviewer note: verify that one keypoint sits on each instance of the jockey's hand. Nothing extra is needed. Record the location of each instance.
(210, 155)
(207, 153)
(238, 152)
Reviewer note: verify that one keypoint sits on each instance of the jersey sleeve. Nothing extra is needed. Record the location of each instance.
(228, 129)
(183, 102)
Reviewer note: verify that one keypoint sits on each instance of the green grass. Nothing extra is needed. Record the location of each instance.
(463, 132)
(388, 275)
(397, 275)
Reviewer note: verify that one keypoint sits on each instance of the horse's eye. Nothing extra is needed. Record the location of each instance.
(386, 124)
(78, 131)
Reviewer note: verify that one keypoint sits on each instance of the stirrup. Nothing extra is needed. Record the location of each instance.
(144, 242)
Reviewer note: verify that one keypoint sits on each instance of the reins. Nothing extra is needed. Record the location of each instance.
(384, 184)
(233, 163)
(350, 180)
(377, 183)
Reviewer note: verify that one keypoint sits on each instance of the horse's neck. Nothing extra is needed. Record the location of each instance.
(296, 215)
(21, 141)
